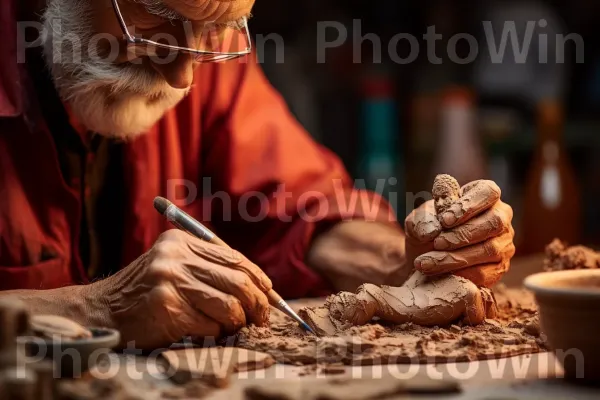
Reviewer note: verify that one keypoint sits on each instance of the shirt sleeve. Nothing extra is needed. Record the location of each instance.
(273, 188)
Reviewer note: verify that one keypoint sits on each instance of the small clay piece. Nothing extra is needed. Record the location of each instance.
(214, 365)
(446, 191)
(560, 257)
(332, 369)
(306, 370)
(54, 326)
(347, 389)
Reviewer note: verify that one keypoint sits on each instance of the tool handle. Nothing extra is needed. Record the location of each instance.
(216, 240)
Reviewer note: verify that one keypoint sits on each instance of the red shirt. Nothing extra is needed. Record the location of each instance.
(233, 127)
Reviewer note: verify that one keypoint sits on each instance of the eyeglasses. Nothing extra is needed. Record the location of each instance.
(229, 38)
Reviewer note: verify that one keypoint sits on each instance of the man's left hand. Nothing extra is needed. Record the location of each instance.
(356, 252)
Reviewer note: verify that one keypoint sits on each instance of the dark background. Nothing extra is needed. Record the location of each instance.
(388, 111)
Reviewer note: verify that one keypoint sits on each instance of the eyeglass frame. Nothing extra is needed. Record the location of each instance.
(218, 56)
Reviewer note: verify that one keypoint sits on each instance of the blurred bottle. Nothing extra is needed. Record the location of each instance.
(551, 207)
(500, 119)
(459, 151)
(379, 156)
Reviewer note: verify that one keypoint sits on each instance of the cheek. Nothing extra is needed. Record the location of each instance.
(104, 20)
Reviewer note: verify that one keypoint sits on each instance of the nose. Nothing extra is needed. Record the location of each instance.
(179, 73)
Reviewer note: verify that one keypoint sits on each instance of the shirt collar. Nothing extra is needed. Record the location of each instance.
(11, 93)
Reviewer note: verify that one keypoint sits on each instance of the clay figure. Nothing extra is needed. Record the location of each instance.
(426, 301)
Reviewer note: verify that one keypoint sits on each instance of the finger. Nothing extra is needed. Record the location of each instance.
(485, 226)
(422, 223)
(230, 258)
(415, 248)
(197, 324)
(223, 308)
(491, 251)
(486, 275)
(475, 197)
(240, 285)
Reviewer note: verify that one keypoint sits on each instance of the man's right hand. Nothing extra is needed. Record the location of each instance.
(183, 286)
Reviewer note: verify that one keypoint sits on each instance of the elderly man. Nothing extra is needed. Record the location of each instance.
(123, 100)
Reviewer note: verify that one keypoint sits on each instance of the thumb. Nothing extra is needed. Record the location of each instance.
(422, 224)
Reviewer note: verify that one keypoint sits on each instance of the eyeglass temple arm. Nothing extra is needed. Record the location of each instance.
(122, 21)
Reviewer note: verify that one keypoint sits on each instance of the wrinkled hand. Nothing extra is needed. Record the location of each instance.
(356, 252)
(472, 239)
(184, 286)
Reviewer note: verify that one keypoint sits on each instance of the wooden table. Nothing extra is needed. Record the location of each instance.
(524, 377)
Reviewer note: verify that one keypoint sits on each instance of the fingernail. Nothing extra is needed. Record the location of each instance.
(449, 218)
(440, 244)
(425, 264)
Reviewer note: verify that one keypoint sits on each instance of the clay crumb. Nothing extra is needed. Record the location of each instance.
(332, 369)
(492, 322)
(533, 327)
(559, 257)
(308, 370)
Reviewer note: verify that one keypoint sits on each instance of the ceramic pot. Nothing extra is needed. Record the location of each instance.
(569, 307)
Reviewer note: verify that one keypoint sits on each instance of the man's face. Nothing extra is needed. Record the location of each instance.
(119, 90)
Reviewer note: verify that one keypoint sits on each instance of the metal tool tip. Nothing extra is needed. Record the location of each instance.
(308, 328)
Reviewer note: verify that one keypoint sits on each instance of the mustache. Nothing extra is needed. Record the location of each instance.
(116, 79)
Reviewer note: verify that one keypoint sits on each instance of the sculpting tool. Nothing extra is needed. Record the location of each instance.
(186, 223)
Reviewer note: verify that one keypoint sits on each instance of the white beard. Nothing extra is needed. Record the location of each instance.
(121, 101)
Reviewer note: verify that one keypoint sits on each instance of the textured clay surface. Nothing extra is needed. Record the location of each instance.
(446, 191)
(420, 301)
(514, 331)
(560, 257)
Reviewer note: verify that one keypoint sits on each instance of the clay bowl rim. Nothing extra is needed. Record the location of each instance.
(541, 283)
(101, 337)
